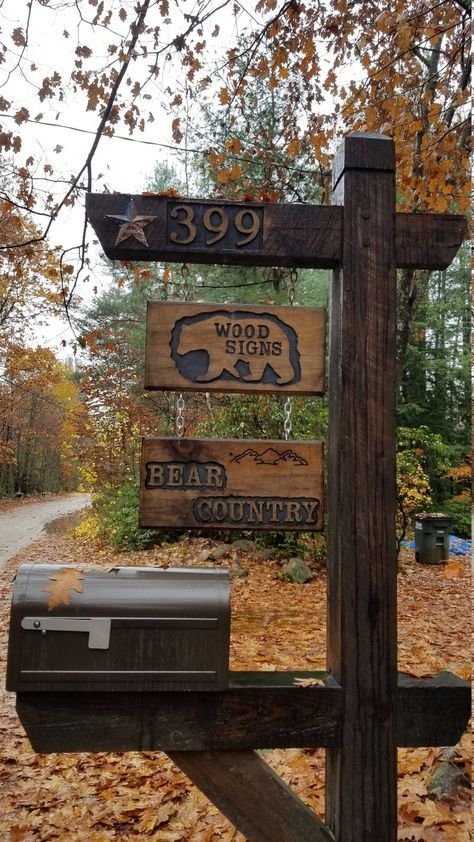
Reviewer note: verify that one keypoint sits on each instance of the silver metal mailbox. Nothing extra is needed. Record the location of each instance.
(133, 628)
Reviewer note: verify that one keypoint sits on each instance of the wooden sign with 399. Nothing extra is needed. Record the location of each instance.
(158, 227)
(235, 348)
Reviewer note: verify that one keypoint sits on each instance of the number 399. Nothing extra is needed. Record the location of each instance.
(216, 223)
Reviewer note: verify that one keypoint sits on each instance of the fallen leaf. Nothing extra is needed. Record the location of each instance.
(308, 682)
(168, 836)
(410, 760)
(67, 580)
(414, 833)
(21, 834)
(420, 672)
(435, 813)
(153, 817)
(463, 672)
(453, 570)
(107, 797)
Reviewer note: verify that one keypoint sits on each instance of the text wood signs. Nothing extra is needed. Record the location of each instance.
(235, 348)
(231, 484)
(154, 227)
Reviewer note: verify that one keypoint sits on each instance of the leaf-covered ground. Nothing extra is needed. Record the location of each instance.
(133, 796)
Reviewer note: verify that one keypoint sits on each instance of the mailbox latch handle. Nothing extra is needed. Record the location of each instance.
(98, 628)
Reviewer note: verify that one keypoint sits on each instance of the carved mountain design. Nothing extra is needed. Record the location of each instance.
(291, 456)
(269, 456)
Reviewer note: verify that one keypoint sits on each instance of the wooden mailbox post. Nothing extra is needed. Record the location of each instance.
(364, 710)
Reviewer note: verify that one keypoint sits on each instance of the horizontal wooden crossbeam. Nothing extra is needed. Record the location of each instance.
(428, 241)
(258, 710)
(156, 228)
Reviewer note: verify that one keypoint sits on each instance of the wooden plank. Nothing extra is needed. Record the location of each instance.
(361, 772)
(235, 348)
(432, 711)
(428, 240)
(231, 484)
(288, 235)
(184, 230)
(256, 800)
(259, 710)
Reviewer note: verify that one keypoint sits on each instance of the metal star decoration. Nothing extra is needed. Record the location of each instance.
(132, 225)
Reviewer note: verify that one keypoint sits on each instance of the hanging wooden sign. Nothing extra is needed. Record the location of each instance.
(235, 348)
(231, 484)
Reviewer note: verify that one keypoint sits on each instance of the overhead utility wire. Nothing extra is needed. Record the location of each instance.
(29, 392)
(156, 143)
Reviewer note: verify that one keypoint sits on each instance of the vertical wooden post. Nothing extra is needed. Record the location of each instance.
(361, 772)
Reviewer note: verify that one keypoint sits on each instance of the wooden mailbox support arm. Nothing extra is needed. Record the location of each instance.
(258, 710)
(252, 796)
(211, 735)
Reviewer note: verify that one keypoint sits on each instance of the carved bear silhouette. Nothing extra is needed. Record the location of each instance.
(236, 345)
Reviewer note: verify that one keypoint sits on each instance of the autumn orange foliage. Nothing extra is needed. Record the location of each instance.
(409, 80)
(38, 427)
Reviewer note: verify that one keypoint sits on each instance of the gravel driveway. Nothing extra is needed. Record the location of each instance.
(23, 525)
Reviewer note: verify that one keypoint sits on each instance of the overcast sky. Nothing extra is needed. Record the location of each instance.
(125, 165)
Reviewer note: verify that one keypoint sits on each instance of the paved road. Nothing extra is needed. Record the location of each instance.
(20, 527)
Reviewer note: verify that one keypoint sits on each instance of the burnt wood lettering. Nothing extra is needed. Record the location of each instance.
(235, 348)
(179, 475)
(231, 484)
(255, 234)
(203, 231)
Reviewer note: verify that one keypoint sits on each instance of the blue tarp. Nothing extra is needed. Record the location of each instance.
(457, 546)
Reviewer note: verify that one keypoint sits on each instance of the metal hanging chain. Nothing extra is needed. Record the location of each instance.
(288, 407)
(189, 293)
(179, 415)
(189, 282)
(292, 287)
(287, 422)
(186, 282)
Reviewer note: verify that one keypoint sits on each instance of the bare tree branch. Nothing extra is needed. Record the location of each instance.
(464, 4)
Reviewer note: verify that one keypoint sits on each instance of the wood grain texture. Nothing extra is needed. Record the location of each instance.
(235, 348)
(362, 151)
(256, 800)
(432, 711)
(255, 712)
(232, 484)
(361, 772)
(258, 710)
(428, 240)
(293, 235)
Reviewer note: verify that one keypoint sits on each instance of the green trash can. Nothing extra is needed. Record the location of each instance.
(431, 537)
